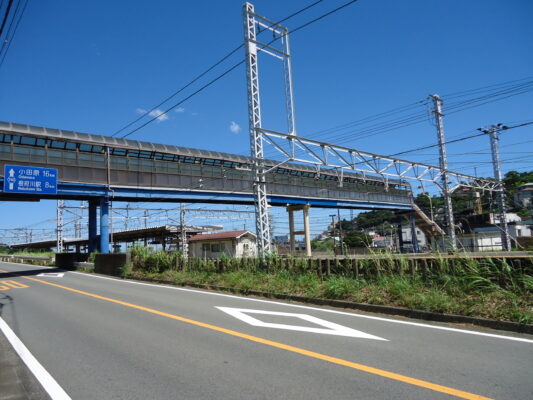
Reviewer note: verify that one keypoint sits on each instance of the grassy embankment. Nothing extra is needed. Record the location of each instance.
(483, 288)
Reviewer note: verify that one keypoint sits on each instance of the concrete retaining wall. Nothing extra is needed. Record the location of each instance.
(110, 264)
(68, 260)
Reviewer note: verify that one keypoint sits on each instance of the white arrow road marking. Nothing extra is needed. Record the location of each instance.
(52, 274)
(329, 328)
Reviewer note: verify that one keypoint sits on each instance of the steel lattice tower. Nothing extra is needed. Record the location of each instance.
(252, 24)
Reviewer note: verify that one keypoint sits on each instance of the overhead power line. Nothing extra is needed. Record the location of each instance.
(468, 92)
(6, 17)
(491, 93)
(233, 67)
(10, 36)
(456, 140)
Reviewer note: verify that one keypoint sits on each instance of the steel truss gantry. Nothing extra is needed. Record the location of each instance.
(253, 24)
(340, 158)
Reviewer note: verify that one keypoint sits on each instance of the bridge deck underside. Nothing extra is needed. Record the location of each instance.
(78, 191)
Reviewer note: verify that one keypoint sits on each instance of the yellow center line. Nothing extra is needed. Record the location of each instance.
(339, 361)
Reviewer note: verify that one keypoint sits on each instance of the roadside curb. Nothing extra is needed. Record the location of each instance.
(404, 312)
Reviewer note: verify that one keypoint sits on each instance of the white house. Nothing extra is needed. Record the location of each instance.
(420, 237)
(490, 238)
(231, 244)
(483, 240)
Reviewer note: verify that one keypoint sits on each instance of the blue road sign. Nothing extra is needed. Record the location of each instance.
(30, 180)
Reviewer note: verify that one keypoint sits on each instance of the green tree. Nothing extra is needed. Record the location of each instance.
(357, 239)
(322, 244)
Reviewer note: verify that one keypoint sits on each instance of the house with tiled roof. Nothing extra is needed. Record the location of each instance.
(230, 244)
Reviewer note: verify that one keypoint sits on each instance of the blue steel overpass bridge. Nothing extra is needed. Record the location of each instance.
(101, 169)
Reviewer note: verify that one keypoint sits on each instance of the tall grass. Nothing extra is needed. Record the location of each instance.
(489, 288)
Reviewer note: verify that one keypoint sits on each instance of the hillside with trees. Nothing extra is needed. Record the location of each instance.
(383, 222)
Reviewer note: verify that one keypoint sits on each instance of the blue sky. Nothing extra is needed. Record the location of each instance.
(93, 66)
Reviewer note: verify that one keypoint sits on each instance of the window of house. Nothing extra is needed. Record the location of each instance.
(217, 247)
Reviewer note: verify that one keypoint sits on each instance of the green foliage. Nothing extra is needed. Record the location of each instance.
(146, 259)
(126, 270)
(357, 239)
(525, 213)
(92, 256)
(373, 219)
(338, 287)
(513, 179)
(322, 244)
(36, 253)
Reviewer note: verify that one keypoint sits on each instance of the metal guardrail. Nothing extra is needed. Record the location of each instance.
(4, 257)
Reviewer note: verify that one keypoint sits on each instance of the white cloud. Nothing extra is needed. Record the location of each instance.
(157, 113)
(180, 109)
(234, 127)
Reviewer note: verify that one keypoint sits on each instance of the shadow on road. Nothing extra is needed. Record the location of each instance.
(4, 299)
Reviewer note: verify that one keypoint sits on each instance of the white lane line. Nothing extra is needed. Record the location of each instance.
(49, 384)
(394, 321)
(52, 274)
(351, 314)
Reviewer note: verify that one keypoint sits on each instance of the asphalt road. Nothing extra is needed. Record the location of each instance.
(104, 338)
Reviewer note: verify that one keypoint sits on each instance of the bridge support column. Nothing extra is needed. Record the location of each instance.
(104, 225)
(400, 234)
(306, 232)
(291, 229)
(414, 238)
(92, 226)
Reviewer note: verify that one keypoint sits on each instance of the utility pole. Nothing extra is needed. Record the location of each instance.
(341, 242)
(437, 101)
(493, 131)
(183, 233)
(145, 226)
(127, 216)
(333, 230)
(111, 227)
(59, 229)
